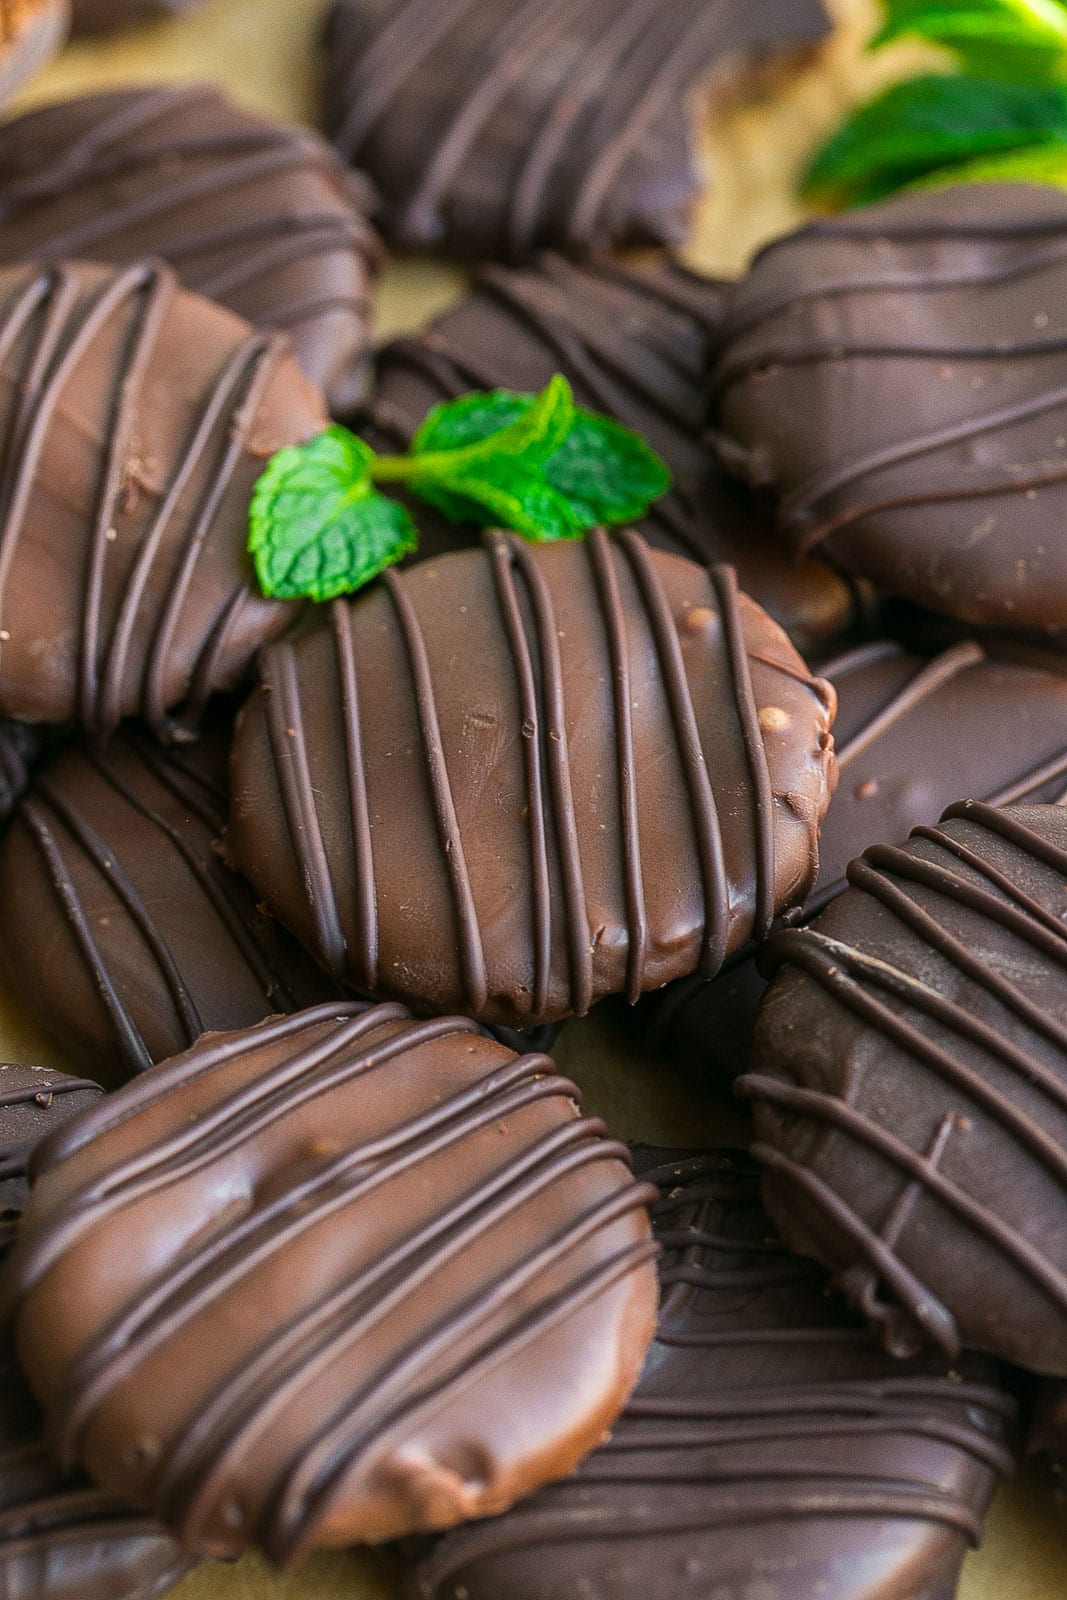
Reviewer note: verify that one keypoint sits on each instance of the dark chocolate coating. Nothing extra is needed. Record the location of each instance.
(343, 1276)
(95, 17)
(770, 1448)
(134, 419)
(633, 342)
(256, 215)
(494, 127)
(21, 748)
(31, 31)
(896, 377)
(910, 1085)
(32, 1103)
(128, 937)
(513, 780)
(60, 1539)
(911, 734)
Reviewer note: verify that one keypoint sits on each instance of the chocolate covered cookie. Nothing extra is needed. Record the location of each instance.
(339, 1277)
(769, 1449)
(261, 217)
(134, 419)
(896, 377)
(911, 733)
(910, 1085)
(515, 779)
(129, 937)
(633, 343)
(31, 31)
(497, 127)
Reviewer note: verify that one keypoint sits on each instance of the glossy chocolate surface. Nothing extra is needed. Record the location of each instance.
(129, 936)
(493, 127)
(257, 215)
(910, 1085)
(513, 780)
(770, 1448)
(340, 1277)
(633, 343)
(895, 376)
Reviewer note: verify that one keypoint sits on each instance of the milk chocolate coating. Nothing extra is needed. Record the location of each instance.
(910, 735)
(60, 1539)
(896, 376)
(32, 1103)
(31, 31)
(343, 1276)
(94, 17)
(128, 936)
(633, 342)
(493, 127)
(134, 420)
(512, 780)
(21, 748)
(910, 1085)
(259, 216)
(769, 1449)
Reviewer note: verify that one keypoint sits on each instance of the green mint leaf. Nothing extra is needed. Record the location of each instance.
(1025, 40)
(1041, 164)
(608, 473)
(505, 494)
(317, 526)
(927, 124)
(479, 427)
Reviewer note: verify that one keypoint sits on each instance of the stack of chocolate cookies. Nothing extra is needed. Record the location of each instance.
(320, 1248)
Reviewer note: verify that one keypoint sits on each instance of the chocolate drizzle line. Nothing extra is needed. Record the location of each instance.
(57, 334)
(642, 1482)
(864, 987)
(322, 1050)
(528, 621)
(68, 843)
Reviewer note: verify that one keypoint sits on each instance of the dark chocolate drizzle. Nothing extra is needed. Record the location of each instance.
(318, 1051)
(578, 115)
(527, 618)
(49, 323)
(157, 160)
(899, 1005)
(680, 1460)
(71, 847)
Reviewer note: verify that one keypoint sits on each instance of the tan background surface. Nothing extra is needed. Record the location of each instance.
(262, 50)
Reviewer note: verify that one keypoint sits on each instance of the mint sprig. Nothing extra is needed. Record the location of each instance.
(930, 124)
(1023, 40)
(1000, 115)
(538, 464)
